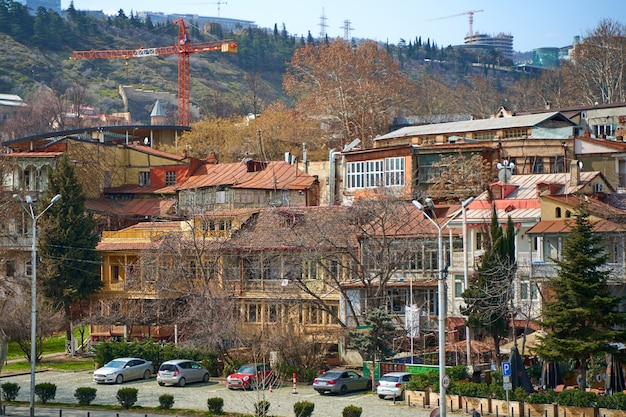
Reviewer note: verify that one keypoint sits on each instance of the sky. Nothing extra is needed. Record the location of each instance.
(533, 23)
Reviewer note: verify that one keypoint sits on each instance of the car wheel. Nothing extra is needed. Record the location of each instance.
(402, 396)
(147, 374)
(119, 379)
(381, 396)
(205, 378)
(181, 382)
(343, 390)
(162, 384)
(321, 392)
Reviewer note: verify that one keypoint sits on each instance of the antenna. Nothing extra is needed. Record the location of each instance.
(323, 24)
(219, 3)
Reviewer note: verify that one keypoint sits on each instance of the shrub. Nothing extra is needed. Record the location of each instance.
(127, 397)
(45, 391)
(576, 398)
(303, 374)
(215, 404)
(519, 394)
(85, 395)
(470, 389)
(166, 401)
(541, 398)
(261, 408)
(457, 373)
(10, 391)
(303, 408)
(616, 401)
(424, 382)
(351, 411)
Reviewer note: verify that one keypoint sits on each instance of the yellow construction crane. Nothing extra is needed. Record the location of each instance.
(471, 20)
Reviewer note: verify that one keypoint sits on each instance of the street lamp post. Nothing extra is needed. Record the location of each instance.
(441, 288)
(28, 201)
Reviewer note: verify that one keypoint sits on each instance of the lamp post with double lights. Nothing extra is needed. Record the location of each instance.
(441, 288)
(27, 205)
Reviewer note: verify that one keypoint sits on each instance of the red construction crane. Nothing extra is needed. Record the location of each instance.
(183, 49)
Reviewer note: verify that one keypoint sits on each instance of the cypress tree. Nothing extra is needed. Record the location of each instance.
(69, 270)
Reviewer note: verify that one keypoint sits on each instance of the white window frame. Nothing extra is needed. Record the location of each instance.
(388, 172)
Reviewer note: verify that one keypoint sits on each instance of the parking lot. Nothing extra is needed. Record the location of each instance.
(194, 396)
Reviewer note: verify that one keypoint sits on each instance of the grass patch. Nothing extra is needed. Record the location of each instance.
(66, 364)
(53, 344)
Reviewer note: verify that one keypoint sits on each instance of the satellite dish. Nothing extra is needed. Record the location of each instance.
(580, 164)
(504, 175)
(146, 141)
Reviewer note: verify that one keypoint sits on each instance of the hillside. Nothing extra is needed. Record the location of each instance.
(221, 84)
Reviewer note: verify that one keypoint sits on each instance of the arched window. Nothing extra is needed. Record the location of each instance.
(568, 214)
(558, 212)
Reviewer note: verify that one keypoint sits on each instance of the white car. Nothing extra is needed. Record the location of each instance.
(123, 369)
(393, 385)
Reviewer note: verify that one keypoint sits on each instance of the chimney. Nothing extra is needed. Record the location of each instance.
(574, 173)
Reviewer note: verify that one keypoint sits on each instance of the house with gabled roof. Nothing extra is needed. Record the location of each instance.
(527, 199)
(246, 184)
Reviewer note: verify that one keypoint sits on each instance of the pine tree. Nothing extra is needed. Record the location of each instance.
(69, 270)
(488, 299)
(580, 315)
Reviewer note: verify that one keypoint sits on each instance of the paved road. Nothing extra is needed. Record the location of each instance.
(194, 396)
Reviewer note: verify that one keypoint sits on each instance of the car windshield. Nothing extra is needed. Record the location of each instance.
(247, 369)
(115, 364)
(390, 378)
(168, 367)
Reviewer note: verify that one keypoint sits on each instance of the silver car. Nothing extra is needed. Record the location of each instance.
(180, 372)
(123, 369)
(393, 385)
(341, 381)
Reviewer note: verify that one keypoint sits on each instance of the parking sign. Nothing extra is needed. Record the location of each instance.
(506, 368)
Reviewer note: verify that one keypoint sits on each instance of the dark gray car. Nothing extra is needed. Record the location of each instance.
(341, 381)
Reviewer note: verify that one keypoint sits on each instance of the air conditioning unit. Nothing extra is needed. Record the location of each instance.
(598, 188)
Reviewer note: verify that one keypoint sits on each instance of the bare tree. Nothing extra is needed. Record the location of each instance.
(599, 64)
(360, 87)
(460, 176)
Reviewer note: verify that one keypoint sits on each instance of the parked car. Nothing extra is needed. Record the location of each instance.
(393, 385)
(123, 369)
(251, 376)
(180, 372)
(341, 381)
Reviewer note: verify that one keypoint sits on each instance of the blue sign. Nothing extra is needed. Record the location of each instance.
(506, 368)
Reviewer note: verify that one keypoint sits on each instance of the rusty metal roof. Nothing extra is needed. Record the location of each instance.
(275, 175)
(136, 207)
(565, 226)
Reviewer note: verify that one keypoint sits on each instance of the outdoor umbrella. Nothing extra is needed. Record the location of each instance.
(614, 381)
(519, 376)
(551, 375)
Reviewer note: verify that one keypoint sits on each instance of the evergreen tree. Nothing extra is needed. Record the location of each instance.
(69, 270)
(580, 313)
(489, 296)
(376, 342)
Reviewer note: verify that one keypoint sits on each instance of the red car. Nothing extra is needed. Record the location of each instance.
(251, 376)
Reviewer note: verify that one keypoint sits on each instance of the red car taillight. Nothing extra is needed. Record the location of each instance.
(315, 381)
(332, 382)
(398, 385)
(378, 385)
(176, 372)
